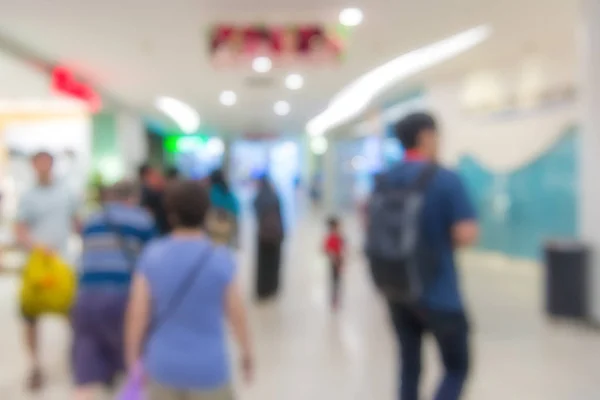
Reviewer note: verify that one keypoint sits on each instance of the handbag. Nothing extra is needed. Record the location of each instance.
(49, 285)
(134, 388)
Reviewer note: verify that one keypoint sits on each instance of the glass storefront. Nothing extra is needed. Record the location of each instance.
(195, 156)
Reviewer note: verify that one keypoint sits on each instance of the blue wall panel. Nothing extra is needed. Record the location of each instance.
(519, 210)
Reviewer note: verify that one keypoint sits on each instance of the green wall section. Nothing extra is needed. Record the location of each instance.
(106, 159)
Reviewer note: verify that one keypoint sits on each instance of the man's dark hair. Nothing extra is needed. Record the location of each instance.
(172, 173)
(333, 222)
(187, 203)
(42, 154)
(143, 170)
(410, 127)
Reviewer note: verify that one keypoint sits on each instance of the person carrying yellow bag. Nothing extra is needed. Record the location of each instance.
(46, 217)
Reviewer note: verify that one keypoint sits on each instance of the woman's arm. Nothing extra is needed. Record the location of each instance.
(236, 313)
(137, 320)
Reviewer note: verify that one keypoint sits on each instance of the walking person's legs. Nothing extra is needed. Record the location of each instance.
(451, 332)
(36, 379)
(335, 285)
(98, 355)
(409, 331)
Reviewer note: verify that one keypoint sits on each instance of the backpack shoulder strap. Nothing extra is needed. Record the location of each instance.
(127, 251)
(385, 183)
(423, 179)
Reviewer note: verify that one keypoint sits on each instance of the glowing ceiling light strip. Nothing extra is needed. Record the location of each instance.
(184, 116)
(355, 97)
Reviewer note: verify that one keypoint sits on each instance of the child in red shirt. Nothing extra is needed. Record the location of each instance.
(334, 248)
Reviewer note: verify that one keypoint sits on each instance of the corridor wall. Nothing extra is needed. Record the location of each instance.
(519, 166)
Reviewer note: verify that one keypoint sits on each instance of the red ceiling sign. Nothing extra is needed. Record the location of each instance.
(64, 82)
(232, 45)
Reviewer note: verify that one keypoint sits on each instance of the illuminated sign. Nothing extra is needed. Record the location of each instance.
(65, 83)
(230, 45)
(182, 144)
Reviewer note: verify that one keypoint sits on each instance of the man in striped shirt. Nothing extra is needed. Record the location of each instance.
(112, 240)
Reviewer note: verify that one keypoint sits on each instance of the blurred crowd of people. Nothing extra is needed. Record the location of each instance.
(156, 278)
(157, 273)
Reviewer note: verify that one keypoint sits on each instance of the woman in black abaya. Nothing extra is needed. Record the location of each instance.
(270, 237)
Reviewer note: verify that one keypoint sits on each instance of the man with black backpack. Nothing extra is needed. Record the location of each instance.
(418, 216)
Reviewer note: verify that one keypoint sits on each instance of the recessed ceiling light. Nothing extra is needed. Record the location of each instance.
(228, 98)
(282, 108)
(351, 17)
(262, 64)
(184, 116)
(294, 81)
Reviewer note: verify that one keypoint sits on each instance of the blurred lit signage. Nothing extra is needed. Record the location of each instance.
(182, 144)
(65, 83)
(232, 45)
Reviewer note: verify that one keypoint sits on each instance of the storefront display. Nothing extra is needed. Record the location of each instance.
(195, 156)
(67, 139)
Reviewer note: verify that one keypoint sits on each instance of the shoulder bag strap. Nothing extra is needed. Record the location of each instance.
(183, 288)
(122, 241)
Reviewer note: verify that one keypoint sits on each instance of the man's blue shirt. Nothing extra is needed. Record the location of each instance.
(446, 203)
(112, 240)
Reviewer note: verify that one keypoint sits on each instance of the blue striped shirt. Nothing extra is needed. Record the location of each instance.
(112, 240)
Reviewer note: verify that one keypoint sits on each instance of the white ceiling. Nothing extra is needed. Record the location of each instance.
(140, 49)
(20, 80)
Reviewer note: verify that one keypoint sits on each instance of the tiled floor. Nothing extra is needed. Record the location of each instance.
(305, 352)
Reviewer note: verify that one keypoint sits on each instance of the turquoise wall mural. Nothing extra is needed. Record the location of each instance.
(520, 210)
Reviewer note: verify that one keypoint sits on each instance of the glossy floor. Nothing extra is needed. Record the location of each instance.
(305, 352)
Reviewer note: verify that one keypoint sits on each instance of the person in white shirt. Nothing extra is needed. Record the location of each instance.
(46, 217)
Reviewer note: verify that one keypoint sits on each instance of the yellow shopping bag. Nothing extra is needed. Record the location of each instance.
(49, 285)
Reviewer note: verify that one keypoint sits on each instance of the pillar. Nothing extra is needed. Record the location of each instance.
(589, 184)
(106, 161)
(132, 142)
(119, 145)
(329, 186)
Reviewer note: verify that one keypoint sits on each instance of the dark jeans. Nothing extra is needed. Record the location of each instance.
(336, 278)
(450, 330)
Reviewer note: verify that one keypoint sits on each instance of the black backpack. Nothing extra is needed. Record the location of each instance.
(402, 263)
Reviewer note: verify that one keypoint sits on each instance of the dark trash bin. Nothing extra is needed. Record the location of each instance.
(566, 279)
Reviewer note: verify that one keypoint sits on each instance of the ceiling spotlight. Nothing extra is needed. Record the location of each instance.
(228, 98)
(282, 108)
(262, 64)
(294, 81)
(351, 17)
